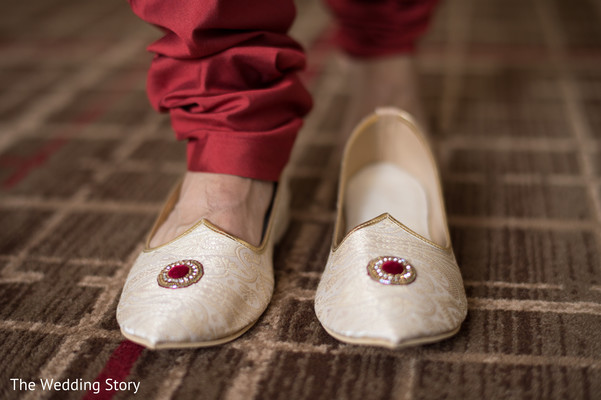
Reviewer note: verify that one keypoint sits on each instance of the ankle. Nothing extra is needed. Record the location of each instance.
(215, 192)
(235, 204)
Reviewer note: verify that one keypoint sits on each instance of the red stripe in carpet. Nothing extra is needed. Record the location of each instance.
(33, 162)
(85, 118)
(117, 368)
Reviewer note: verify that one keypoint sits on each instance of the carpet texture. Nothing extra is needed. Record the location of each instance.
(512, 92)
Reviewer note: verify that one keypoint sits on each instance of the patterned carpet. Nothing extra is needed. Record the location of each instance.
(512, 90)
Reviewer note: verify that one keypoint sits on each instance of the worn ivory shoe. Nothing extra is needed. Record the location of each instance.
(203, 288)
(391, 278)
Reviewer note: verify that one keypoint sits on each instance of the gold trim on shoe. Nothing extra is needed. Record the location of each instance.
(351, 165)
(351, 305)
(172, 201)
(186, 345)
(393, 346)
(235, 288)
(395, 221)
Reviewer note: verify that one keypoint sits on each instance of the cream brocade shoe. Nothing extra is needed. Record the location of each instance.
(203, 288)
(391, 278)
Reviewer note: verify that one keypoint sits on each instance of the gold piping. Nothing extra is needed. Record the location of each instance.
(382, 217)
(174, 196)
(408, 120)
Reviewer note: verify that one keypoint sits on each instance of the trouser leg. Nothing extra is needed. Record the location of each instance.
(372, 28)
(226, 71)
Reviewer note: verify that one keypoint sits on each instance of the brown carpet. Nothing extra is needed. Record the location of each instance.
(512, 90)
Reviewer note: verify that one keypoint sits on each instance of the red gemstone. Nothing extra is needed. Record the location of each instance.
(178, 271)
(393, 267)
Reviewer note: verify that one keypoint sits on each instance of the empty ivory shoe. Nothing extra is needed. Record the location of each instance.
(391, 278)
(203, 288)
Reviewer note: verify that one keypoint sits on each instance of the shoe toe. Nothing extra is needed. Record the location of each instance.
(161, 322)
(355, 308)
(396, 316)
(233, 291)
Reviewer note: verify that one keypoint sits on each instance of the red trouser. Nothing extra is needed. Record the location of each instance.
(226, 71)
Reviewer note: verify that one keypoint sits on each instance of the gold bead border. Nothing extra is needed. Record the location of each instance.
(196, 272)
(374, 269)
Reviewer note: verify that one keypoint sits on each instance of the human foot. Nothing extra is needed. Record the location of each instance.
(204, 289)
(235, 204)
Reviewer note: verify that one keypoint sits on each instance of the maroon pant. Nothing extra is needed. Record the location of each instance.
(226, 71)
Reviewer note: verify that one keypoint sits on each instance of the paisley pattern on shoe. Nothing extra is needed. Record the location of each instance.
(355, 308)
(203, 288)
(391, 278)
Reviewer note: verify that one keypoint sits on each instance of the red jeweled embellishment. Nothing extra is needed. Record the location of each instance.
(178, 271)
(391, 270)
(393, 267)
(180, 274)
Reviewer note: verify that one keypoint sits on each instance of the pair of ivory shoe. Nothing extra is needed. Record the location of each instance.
(391, 278)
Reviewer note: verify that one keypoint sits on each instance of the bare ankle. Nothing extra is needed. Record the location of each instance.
(235, 204)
